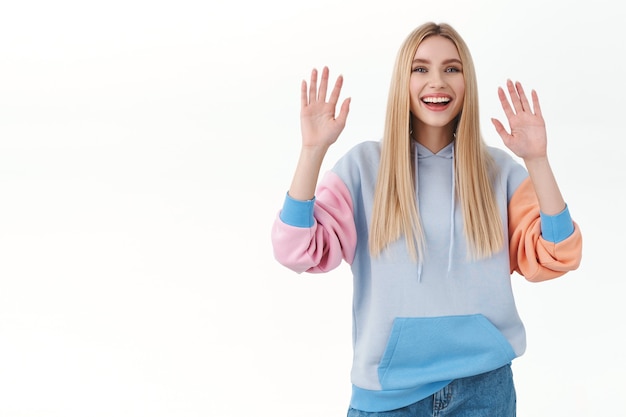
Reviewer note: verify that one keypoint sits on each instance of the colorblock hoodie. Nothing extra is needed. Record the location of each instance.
(417, 325)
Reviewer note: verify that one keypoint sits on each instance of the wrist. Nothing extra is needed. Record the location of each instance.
(536, 162)
(316, 152)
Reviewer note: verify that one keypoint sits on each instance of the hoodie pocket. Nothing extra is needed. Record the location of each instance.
(425, 350)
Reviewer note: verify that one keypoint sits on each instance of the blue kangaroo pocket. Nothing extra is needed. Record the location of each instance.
(424, 350)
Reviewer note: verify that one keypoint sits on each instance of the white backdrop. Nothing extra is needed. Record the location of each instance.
(146, 147)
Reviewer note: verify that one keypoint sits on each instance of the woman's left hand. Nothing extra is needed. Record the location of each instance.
(528, 138)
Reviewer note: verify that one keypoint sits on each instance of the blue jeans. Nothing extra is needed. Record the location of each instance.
(491, 394)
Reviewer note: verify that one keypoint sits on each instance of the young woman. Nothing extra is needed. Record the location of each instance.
(433, 223)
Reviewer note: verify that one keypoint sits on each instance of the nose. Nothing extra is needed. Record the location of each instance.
(435, 79)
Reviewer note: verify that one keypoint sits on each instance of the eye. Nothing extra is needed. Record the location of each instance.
(419, 69)
(453, 69)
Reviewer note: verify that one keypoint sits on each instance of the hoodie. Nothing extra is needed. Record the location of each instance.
(417, 325)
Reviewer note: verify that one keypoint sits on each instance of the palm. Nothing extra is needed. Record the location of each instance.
(320, 127)
(527, 138)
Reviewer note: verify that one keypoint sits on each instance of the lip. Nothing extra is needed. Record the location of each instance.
(433, 106)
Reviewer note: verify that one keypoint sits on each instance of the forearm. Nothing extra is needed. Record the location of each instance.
(551, 201)
(307, 172)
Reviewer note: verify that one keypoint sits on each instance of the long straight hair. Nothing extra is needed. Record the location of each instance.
(395, 211)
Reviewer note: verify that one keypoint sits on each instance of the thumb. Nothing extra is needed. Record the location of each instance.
(499, 128)
(345, 109)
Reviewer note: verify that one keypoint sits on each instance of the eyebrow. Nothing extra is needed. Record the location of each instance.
(445, 62)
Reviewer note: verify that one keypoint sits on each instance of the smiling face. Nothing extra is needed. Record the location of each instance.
(437, 86)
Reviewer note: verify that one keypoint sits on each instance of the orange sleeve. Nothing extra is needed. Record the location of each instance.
(531, 255)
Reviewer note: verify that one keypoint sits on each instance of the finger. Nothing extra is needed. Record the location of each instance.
(334, 95)
(313, 86)
(304, 98)
(506, 106)
(536, 105)
(515, 100)
(321, 94)
(522, 96)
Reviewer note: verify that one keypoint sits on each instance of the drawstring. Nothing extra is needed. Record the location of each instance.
(419, 271)
(420, 264)
(416, 162)
(452, 198)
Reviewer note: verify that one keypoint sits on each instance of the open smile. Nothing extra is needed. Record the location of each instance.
(436, 103)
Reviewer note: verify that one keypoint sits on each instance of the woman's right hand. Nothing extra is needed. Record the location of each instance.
(320, 127)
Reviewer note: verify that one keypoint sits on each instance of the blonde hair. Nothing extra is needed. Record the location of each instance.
(395, 211)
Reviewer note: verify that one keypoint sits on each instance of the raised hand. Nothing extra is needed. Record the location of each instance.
(527, 138)
(320, 127)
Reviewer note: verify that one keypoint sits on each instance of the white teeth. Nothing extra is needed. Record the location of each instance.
(436, 99)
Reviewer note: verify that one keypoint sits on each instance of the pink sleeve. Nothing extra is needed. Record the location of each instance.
(331, 238)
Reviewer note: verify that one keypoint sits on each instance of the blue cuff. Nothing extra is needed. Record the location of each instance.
(558, 227)
(297, 213)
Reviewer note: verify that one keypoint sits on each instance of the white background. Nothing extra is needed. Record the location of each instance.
(146, 147)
